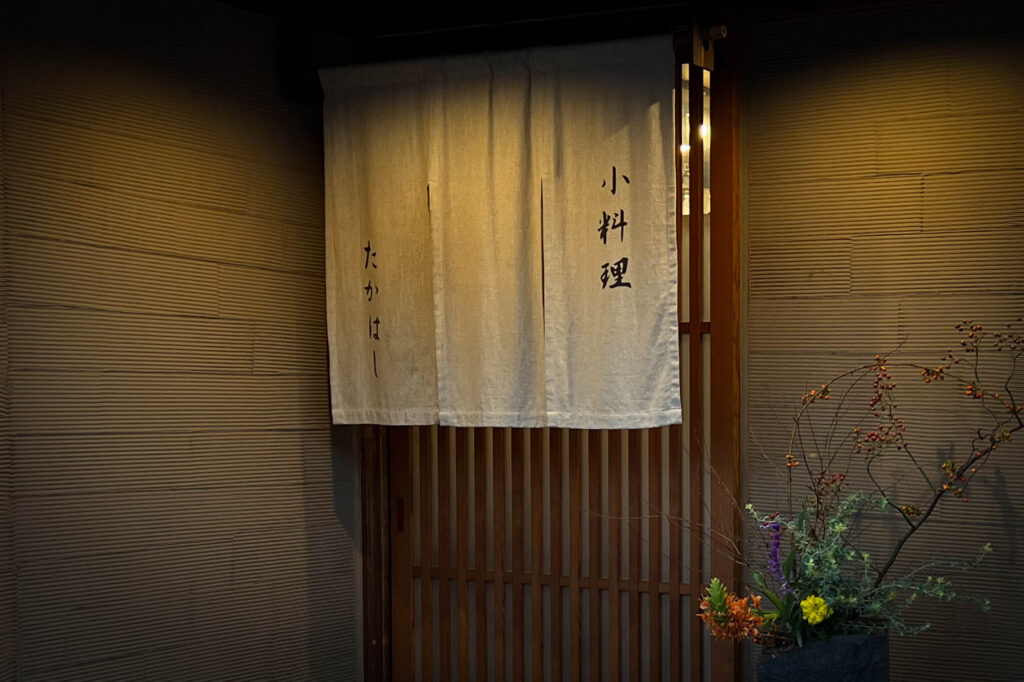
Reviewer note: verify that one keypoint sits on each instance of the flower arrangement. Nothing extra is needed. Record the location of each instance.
(816, 577)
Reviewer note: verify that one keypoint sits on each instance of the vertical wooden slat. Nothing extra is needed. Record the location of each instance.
(376, 552)
(481, 436)
(402, 635)
(724, 413)
(614, 552)
(374, 590)
(536, 551)
(500, 457)
(575, 553)
(594, 560)
(696, 269)
(654, 558)
(675, 432)
(517, 558)
(635, 491)
(462, 542)
(675, 510)
(426, 556)
(557, 508)
(384, 531)
(444, 552)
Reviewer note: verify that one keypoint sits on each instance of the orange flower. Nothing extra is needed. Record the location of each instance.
(740, 619)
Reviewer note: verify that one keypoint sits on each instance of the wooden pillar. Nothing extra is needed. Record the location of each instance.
(725, 350)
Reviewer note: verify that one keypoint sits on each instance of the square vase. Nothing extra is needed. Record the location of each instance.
(842, 658)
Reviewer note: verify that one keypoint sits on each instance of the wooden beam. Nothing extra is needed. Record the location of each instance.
(676, 436)
(654, 516)
(594, 452)
(402, 607)
(537, 437)
(634, 525)
(555, 552)
(696, 435)
(498, 469)
(461, 510)
(725, 351)
(575, 556)
(675, 564)
(426, 552)
(516, 560)
(444, 559)
(615, 439)
(481, 437)
(375, 543)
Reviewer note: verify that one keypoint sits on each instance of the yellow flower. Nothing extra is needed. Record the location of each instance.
(815, 609)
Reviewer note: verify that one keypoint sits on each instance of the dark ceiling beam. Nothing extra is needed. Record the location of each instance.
(551, 29)
(317, 34)
(384, 19)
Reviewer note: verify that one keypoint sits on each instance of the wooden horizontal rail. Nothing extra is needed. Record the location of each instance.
(684, 328)
(547, 580)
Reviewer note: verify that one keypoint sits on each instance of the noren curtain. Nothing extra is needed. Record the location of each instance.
(501, 239)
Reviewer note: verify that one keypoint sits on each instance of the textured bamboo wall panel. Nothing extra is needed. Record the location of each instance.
(6, 516)
(169, 488)
(884, 202)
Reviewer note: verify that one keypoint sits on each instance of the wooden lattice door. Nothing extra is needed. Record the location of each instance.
(540, 554)
(550, 554)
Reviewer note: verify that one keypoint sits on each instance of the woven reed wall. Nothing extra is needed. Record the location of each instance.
(6, 525)
(166, 445)
(884, 202)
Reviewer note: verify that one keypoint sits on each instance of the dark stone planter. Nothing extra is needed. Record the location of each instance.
(843, 658)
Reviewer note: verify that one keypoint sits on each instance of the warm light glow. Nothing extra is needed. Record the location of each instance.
(704, 130)
(684, 148)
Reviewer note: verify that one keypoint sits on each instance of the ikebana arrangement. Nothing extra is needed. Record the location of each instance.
(816, 580)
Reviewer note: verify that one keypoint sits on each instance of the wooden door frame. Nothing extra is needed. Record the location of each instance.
(724, 426)
(378, 513)
(722, 326)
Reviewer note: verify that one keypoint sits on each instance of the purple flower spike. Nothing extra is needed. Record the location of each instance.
(774, 556)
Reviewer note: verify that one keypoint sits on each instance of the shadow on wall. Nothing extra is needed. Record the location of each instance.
(178, 513)
(995, 482)
(334, 558)
(342, 587)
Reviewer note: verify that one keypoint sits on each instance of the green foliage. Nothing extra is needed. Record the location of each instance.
(823, 563)
(825, 584)
(716, 597)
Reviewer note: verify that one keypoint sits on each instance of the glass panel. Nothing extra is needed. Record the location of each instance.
(705, 133)
(643, 526)
(489, 495)
(688, 607)
(470, 511)
(690, 523)
(667, 523)
(545, 505)
(705, 427)
(417, 618)
(684, 191)
(415, 517)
